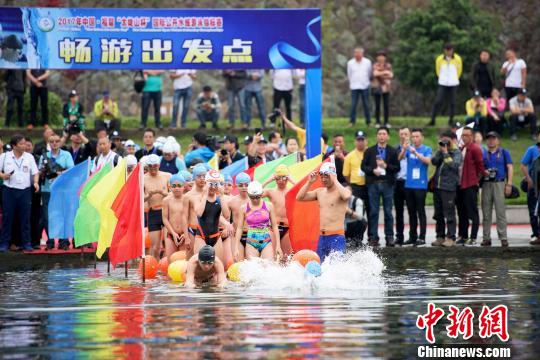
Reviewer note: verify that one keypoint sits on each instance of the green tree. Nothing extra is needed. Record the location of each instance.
(422, 34)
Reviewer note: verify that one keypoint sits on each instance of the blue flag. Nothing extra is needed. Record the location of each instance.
(235, 168)
(64, 200)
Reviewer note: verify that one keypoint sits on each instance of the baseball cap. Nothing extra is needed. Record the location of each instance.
(115, 135)
(476, 93)
(207, 254)
(73, 93)
(327, 168)
(523, 91)
(493, 134)
(248, 139)
(263, 140)
(106, 93)
(360, 135)
(229, 138)
(129, 143)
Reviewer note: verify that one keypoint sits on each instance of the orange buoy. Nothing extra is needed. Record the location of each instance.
(150, 268)
(179, 255)
(163, 265)
(305, 256)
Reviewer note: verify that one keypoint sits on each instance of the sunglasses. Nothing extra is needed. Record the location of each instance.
(255, 197)
(282, 178)
(207, 262)
(242, 185)
(173, 186)
(213, 184)
(154, 166)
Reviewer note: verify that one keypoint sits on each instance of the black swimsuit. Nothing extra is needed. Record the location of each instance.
(208, 228)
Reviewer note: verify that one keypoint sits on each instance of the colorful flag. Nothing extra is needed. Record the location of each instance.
(299, 170)
(303, 216)
(86, 224)
(266, 170)
(236, 167)
(128, 238)
(64, 200)
(101, 198)
(214, 162)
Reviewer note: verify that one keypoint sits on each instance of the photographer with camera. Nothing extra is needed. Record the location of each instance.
(107, 114)
(229, 153)
(496, 185)
(208, 107)
(81, 147)
(257, 151)
(444, 184)
(73, 114)
(200, 148)
(51, 165)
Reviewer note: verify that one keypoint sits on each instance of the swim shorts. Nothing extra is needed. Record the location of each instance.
(330, 243)
(155, 220)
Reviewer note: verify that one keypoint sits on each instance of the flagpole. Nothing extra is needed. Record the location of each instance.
(126, 268)
(141, 190)
(108, 265)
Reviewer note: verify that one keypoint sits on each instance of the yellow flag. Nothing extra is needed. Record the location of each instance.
(101, 197)
(214, 163)
(301, 169)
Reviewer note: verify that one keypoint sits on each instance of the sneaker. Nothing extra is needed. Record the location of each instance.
(49, 247)
(64, 247)
(461, 241)
(504, 243)
(470, 242)
(377, 125)
(398, 243)
(390, 242)
(448, 242)
(141, 128)
(485, 243)
(389, 126)
(438, 242)
(420, 242)
(513, 138)
(409, 242)
(373, 243)
(536, 241)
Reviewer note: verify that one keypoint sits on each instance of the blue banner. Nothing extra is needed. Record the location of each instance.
(100, 39)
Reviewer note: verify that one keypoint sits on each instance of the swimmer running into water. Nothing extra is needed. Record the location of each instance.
(277, 198)
(173, 216)
(204, 269)
(333, 201)
(259, 218)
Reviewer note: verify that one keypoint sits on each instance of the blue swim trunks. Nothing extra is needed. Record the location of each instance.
(330, 243)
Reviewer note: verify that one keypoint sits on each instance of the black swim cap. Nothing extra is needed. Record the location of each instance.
(207, 254)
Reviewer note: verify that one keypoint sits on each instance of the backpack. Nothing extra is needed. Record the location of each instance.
(138, 81)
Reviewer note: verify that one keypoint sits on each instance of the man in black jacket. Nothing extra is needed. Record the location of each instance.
(380, 164)
(483, 75)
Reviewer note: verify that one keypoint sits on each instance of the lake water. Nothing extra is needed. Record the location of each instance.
(361, 306)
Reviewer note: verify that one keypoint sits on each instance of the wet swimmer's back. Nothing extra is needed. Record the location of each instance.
(205, 269)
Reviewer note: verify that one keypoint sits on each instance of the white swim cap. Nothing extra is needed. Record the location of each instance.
(152, 159)
(131, 160)
(255, 188)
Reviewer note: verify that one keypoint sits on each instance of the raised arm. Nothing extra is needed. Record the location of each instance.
(304, 194)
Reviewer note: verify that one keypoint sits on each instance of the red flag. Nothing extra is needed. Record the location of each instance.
(303, 216)
(127, 240)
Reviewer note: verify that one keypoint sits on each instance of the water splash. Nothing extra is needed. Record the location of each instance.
(360, 270)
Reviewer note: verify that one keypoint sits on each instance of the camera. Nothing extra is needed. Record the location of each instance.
(274, 115)
(223, 152)
(49, 169)
(492, 174)
(444, 143)
(72, 127)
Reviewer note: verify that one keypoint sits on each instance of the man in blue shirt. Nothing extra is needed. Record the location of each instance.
(527, 161)
(418, 158)
(496, 184)
(51, 165)
(199, 149)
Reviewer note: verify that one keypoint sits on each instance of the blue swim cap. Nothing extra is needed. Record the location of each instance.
(177, 178)
(228, 179)
(199, 169)
(242, 178)
(313, 268)
(186, 175)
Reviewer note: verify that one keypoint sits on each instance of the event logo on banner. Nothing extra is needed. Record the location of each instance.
(59, 38)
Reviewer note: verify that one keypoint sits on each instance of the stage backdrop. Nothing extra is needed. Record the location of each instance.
(101, 39)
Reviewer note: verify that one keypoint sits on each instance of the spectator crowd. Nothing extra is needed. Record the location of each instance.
(466, 171)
